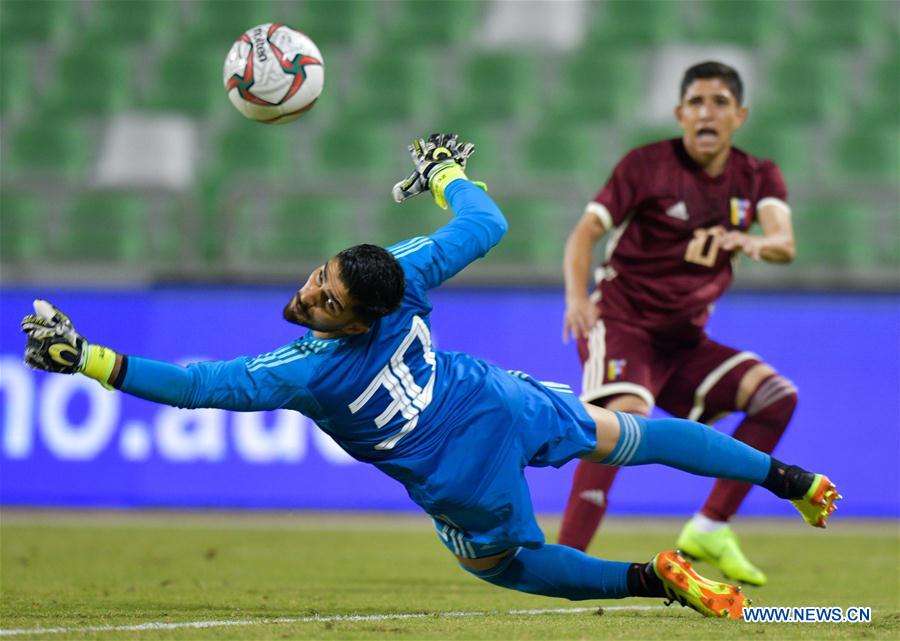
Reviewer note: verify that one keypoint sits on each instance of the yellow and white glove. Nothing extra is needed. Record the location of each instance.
(54, 346)
(439, 161)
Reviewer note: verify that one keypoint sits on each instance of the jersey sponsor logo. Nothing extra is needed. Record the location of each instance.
(740, 212)
(615, 368)
(678, 210)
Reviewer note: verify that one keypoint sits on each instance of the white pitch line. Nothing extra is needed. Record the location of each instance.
(313, 619)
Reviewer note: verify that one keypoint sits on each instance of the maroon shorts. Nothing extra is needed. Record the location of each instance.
(698, 380)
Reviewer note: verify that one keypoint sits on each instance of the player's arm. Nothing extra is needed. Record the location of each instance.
(776, 244)
(581, 313)
(477, 225)
(53, 345)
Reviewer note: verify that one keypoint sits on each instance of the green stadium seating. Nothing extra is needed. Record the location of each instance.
(91, 81)
(23, 225)
(806, 90)
(16, 83)
(392, 86)
(36, 20)
(536, 232)
(418, 216)
(104, 227)
(869, 154)
(563, 152)
(189, 79)
(300, 227)
(58, 147)
(497, 86)
(360, 152)
(882, 100)
(749, 23)
(644, 135)
(221, 22)
(828, 24)
(337, 23)
(834, 233)
(599, 86)
(132, 21)
(428, 23)
(788, 146)
(636, 23)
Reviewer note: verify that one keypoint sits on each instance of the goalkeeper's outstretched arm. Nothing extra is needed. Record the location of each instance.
(54, 346)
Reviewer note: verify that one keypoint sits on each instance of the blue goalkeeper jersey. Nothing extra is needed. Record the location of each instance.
(387, 397)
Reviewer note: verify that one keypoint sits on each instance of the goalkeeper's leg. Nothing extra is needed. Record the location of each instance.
(626, 439)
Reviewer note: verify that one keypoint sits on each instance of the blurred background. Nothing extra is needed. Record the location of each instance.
(134, 196)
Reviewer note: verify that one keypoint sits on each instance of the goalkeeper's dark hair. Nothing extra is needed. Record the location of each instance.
(374, 280)
(712, 69)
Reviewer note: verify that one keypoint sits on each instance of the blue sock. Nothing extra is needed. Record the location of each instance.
(560, 571)
(688, 446)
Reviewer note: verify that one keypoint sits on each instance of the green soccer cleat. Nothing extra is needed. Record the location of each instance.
(818, 502)
(721, 549)
(709, 598)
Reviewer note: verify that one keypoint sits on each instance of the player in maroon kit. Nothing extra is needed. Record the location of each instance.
(679, 213)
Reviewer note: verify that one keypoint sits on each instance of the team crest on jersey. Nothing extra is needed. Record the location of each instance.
(740, 212)
(615, 367)
(678, 210)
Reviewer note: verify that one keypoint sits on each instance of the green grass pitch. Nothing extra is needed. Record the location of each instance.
(71, 572)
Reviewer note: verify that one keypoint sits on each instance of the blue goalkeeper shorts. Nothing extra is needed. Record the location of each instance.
(551, 428)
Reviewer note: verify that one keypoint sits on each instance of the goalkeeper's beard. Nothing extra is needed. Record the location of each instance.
(295, 312)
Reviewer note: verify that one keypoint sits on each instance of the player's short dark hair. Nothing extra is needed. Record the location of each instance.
(712, 69)
(374, 280)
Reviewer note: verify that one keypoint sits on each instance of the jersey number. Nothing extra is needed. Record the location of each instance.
(704, 247)
(407, 397)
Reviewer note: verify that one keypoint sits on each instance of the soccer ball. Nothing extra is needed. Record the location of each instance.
(273, 74)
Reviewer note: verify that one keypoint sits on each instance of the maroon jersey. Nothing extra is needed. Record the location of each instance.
(664, 265)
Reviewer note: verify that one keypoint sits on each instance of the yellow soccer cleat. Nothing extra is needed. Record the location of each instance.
(818, 502)
(684, 585)
(721, 549)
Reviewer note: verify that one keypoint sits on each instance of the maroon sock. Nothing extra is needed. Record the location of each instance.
(769, 411)
(587, 504)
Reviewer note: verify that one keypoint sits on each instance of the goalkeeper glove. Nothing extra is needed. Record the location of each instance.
(438, 162)
(54, 346)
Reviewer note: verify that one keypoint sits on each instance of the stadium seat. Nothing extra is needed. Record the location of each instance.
(882, 99)
(809, 89)
(635, 23)
(360, 152)
(563, 152)
(36, 20)
(419, 216)
(536, 232)
(750, 23)
(429, 23)
(92, 80)
(59, 147)
(16, 81)
(868, 154)
(299, 228)
(834, 233)
(218, 23)
(336, 23)
(646, 134)
(829, 24)
(392, 86)
(599, 86)
(24, 226)
(189, 79)
(788, 146)
(132, 22)
(104, 227)
(497, 86)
